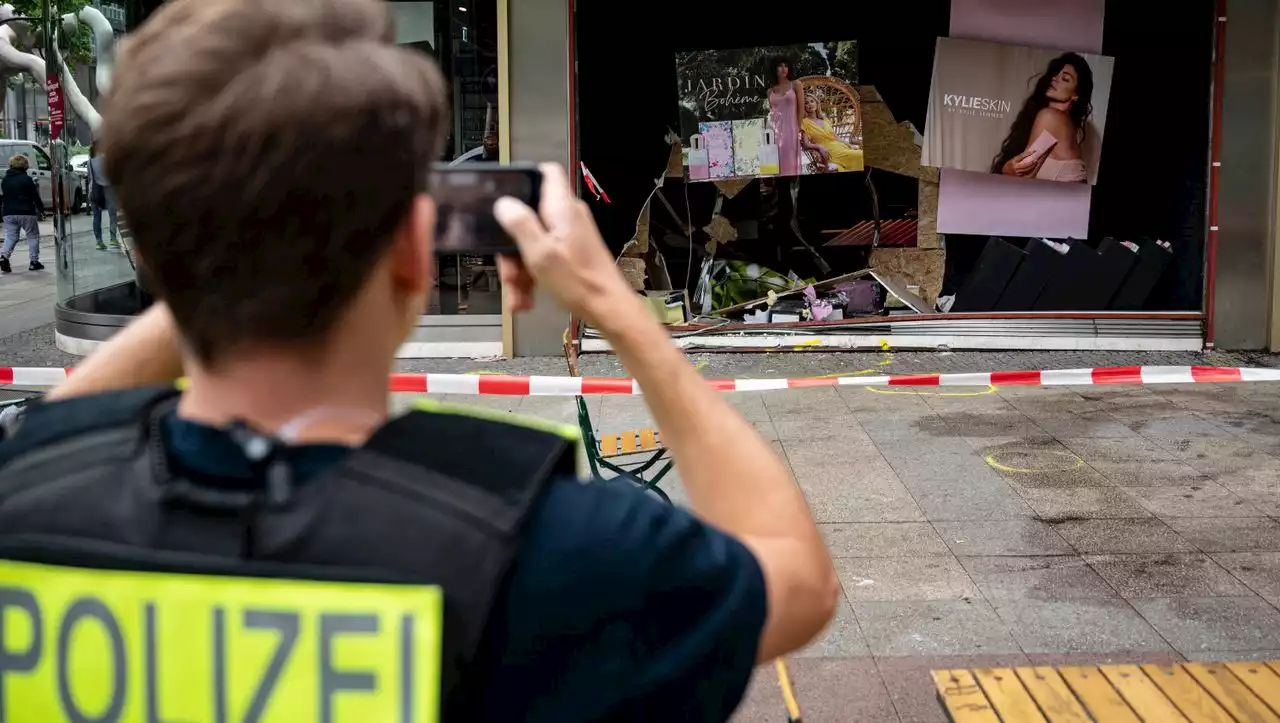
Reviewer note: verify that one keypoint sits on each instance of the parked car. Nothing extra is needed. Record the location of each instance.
(80, 167)
(41, 171)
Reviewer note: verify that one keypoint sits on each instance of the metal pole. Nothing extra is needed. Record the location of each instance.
(22, 133)
(1215, 174)
(56, 146)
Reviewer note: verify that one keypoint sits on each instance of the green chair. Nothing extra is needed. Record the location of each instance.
(605, 450)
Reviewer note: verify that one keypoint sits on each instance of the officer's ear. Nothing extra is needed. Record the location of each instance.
(413, 265)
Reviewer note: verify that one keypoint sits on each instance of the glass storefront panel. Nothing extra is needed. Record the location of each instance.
(462, 35)
(82, 266)
(91, 267)
(95, 283)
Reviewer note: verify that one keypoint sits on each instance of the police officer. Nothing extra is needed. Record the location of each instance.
(288, 280)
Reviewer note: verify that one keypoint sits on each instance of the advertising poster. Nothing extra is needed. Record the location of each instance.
(54, 85)
(785, 110)
(1019, 112)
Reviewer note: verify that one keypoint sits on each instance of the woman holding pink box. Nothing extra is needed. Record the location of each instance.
(1044, 141)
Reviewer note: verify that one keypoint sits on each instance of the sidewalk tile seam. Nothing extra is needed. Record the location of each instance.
(1273, 601)
(1223, 603)
(876, 446)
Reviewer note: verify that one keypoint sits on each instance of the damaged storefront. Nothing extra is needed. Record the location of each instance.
(973, 174)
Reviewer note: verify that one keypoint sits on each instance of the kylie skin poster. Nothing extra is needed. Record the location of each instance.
(986, 204)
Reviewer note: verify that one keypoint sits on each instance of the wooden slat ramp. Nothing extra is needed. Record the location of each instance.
(1185, 693)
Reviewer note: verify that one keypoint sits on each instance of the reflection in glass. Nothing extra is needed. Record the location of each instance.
(463, 37)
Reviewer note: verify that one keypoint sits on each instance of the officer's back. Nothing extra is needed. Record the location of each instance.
(288, 282)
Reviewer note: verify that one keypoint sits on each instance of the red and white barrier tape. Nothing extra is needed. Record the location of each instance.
(573, 386)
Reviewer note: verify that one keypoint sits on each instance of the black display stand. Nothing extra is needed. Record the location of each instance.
(1072, 276)
(1115, 261)
(1041, 261)
(990, 275)
(1153, 259)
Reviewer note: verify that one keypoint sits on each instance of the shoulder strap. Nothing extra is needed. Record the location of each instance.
(121, 413)
(83, 468)
(442, 437)
(570, 434)
(484, 475)
(475, 480)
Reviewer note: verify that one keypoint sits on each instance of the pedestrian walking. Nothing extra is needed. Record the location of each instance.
(22, 209)
(102, 199)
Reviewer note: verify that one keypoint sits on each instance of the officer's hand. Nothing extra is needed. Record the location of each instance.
(561, 249)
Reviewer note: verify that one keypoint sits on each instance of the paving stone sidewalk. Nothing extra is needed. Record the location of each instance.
(1022, 526)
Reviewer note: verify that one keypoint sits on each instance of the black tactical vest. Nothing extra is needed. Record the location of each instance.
(432, 499)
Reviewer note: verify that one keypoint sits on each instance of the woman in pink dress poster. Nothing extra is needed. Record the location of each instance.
(785, 113)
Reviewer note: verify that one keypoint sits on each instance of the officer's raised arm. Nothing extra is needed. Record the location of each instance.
(146, 352)
(734, 479)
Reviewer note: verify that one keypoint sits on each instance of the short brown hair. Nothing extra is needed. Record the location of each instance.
(19, 161)
(228, 134)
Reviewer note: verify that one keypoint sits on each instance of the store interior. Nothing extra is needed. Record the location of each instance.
(463, 38)
(1151, 182)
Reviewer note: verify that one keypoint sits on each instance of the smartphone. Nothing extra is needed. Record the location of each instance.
(464, 197)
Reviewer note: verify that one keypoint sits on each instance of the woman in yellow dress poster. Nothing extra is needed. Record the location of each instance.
(818, 136)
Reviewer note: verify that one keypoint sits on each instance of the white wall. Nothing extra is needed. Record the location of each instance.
(538, 76)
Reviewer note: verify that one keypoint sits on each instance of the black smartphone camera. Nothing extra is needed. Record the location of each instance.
(464, 196)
